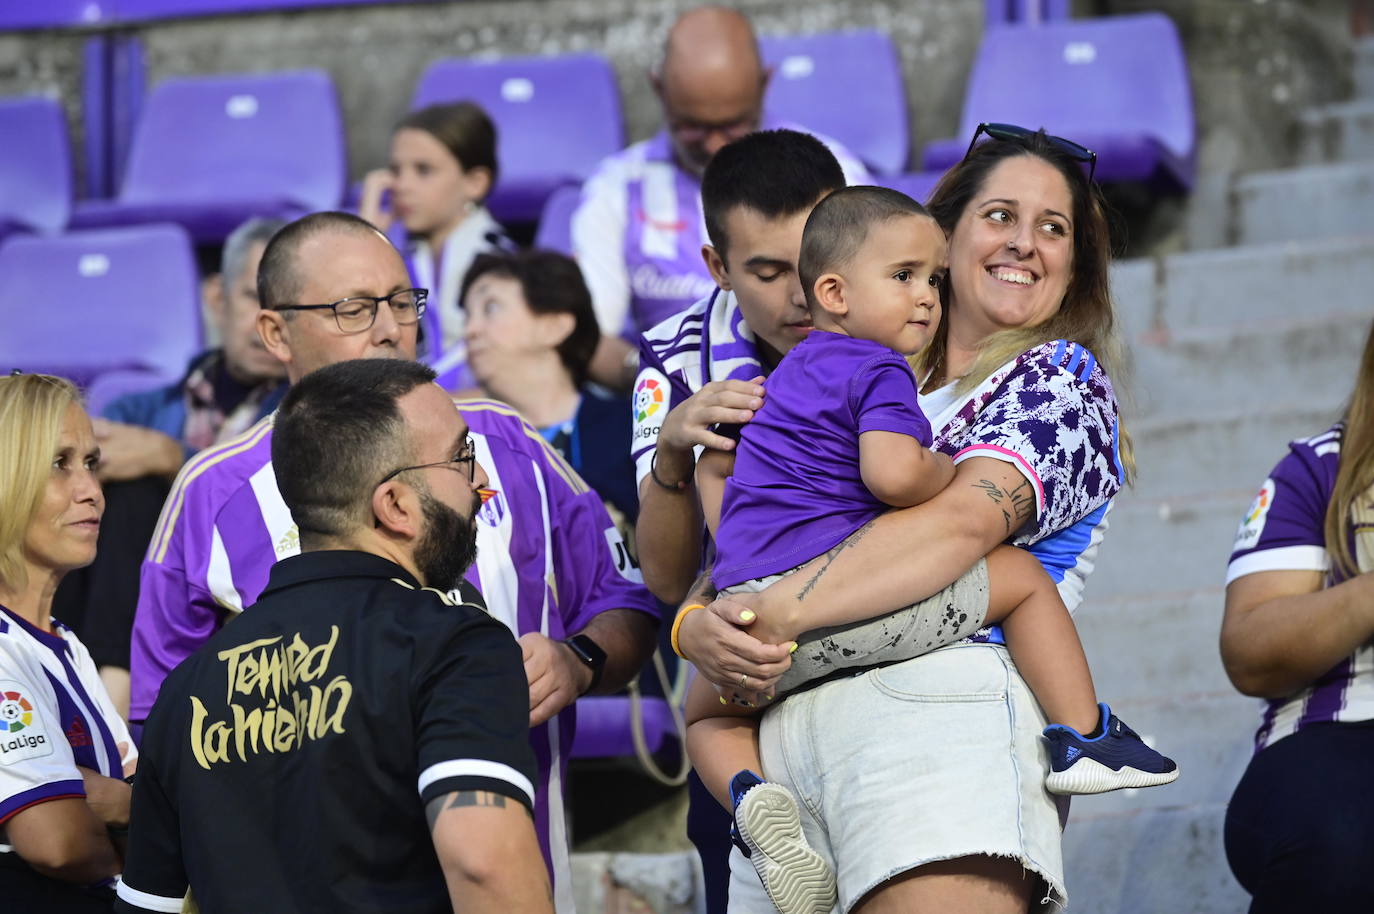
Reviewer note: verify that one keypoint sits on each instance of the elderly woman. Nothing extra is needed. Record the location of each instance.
(1297, 630)
(531, 333)
(64, 750)
(1017, 386)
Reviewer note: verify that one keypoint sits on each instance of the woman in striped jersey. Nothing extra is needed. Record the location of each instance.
(1297, 633)
(64, 751)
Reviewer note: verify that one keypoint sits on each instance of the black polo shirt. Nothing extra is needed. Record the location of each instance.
(286, 764)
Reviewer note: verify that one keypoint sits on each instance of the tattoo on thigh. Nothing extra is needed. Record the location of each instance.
(1017, 504)
(829, 558)
(461, 798)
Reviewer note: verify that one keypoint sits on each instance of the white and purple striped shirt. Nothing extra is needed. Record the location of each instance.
(638, 230)
(54, 716)
(1283, 531)
(549, 559)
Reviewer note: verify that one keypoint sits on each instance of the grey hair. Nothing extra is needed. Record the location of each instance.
(258, 230)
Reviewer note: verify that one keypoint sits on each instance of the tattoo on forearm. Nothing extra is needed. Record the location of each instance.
(830, 556)
(1017, 504)
(702, 589)
(461, 798)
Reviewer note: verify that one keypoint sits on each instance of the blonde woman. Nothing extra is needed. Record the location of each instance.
(64, 750)
(1297, 633)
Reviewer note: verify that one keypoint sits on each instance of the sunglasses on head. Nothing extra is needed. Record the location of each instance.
(1015, 134)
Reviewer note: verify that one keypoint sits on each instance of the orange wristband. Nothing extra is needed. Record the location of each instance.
(677, 625)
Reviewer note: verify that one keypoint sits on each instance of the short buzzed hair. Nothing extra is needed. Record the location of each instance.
(279, 280)
(338, 432)
(775, 173)
(837, 227)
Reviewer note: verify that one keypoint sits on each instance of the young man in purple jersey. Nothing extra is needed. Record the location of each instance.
(584, 620)
(638, 231)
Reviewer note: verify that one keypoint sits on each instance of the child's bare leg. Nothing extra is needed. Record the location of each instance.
(722, 739)
(1041, 637)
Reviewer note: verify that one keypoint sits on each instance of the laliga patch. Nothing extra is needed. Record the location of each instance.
(22, 732)
(1248, 536)
(620, 553)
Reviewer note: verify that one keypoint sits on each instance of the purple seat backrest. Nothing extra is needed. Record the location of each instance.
(54, 14)
(35, 165)
(845, 85)
(213, 139)
(555, 223)
(86, 303)
(1085, 77)
(556, 117)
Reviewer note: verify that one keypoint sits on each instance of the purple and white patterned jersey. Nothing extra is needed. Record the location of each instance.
(638, 232)
(1284, 531)
(1051, 412)
(54, 716)
(549, 559)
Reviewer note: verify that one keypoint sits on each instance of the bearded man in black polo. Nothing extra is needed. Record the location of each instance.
(358, 739)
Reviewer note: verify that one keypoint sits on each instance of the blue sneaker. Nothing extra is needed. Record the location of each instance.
(767, 827)
(1118, 758)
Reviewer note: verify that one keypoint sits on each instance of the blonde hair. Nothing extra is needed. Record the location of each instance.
(32, 407)
(1355, 474)
(1086, 316)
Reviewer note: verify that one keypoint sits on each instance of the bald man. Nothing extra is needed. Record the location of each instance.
(638, 232)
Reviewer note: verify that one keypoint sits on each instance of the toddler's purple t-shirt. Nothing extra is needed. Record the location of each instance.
(796, 489)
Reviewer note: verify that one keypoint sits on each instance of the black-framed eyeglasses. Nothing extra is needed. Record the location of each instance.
(466, 454)
(1015, 134)
(354, 315)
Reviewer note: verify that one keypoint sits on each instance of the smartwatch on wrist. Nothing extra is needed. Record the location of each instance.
(591, 654)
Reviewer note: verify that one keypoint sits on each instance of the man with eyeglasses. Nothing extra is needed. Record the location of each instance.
(358, 734)
(638, 231)
(550, 563)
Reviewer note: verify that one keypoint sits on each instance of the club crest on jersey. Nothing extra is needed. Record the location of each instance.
(1248, 536)
(493, 509)
(22, 734)
(648, 398)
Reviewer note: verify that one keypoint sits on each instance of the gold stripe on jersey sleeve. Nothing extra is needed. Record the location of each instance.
(197, 465)
(556, 461)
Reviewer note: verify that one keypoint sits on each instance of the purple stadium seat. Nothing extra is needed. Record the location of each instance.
(555, 223)
(1026, 12)
(916, 185)
(603, 726)
(1118, 85)
(845, 85)
(556, 119)
(86, 304)
(210, 152)
(35, 167)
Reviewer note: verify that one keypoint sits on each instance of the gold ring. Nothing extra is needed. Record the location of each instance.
(742, 678)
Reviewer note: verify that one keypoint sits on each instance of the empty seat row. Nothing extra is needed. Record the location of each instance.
(208, 151)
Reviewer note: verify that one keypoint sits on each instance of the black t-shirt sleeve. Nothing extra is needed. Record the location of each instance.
(472, 714)
(154, 874)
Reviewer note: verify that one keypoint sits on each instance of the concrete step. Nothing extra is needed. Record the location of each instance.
(1364, 68)
(1240, 286)
(1245, 369)
(1160, 651)
(1152, 862)
(662, 883)
(1317, 201)
(1337, 133)
(1155, 547)
(1186, 455)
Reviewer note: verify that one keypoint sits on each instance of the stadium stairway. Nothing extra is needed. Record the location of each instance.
(1235, 352)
